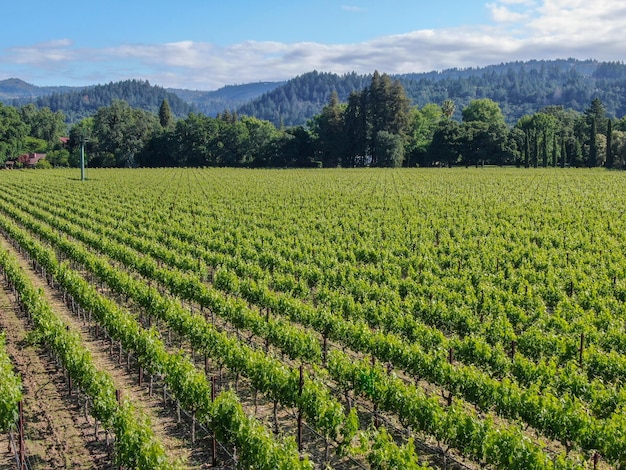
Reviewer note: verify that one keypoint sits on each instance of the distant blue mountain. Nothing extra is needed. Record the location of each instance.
(519, 87)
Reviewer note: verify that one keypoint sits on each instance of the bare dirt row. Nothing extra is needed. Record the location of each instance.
(58, 433)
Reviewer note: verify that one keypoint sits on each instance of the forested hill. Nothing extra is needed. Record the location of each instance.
(16, 92)
(301, 98)
(519, 87)
(78, 104)
(230, 97)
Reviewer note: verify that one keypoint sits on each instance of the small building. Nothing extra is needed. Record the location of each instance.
(29, 160)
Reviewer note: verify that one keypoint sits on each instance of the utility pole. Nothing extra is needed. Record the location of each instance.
(82, 157)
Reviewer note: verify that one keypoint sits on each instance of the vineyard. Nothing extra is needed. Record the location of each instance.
(347, 319)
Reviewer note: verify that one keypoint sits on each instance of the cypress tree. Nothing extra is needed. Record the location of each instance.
(165, 115)
(527, 149)
(535, 141)
(609, 150)
(448, 108)
(593, 148)
(544, 149)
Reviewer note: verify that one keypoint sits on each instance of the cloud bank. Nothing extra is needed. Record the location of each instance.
(520, 30)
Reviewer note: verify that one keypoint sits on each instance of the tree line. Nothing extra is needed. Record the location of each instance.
(376, 126)
(520, 88)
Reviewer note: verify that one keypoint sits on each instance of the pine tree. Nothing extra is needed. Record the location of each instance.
(527, 149)
(593, 148)
(165, 115)
(544, 149)
(448, 108)
(609, 149)
(355, 130)
(329, 127)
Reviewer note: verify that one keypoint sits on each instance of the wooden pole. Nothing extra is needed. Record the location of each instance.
(301, 386)
(21, 431)
(213, 441)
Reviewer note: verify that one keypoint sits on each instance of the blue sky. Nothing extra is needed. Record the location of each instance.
(207, 44)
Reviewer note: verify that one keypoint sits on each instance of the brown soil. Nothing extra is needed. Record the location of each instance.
(61, 437)
(57, 434)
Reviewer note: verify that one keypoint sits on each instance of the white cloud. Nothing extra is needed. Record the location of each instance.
(45, 54)
(502, 14)
(521, 30)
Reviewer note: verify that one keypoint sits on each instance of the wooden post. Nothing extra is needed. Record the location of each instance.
(193, 428)
(213, 441)
(300, 387)
(376, 421)
(450, 360)
(21, 436)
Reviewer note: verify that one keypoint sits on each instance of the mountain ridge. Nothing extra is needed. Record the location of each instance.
(520, 87)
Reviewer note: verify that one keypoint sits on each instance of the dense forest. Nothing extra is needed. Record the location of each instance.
(363, 121)
(229, 97)
(377, 126)
(519, 88)
(84, 102)
(299, 99)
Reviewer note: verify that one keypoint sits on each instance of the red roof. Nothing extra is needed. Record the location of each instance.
(31, 159)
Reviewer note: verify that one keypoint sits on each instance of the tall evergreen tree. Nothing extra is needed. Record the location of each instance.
(593, 146)
(355, 130)
(328, 127)
(448, 108)
(527, 149)
(378, 104)
(544, 149)
(165, 115)
(609, 144)
(535, 147)
(597, 111)
(399, 106)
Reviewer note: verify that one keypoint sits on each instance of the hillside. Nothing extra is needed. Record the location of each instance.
(17, 91)
(299, 99)
(137, 93)
(77, 103)
(230, 97)
(519, 87)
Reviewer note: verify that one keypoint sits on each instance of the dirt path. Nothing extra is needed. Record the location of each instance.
(172, 435)
(57, 434)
